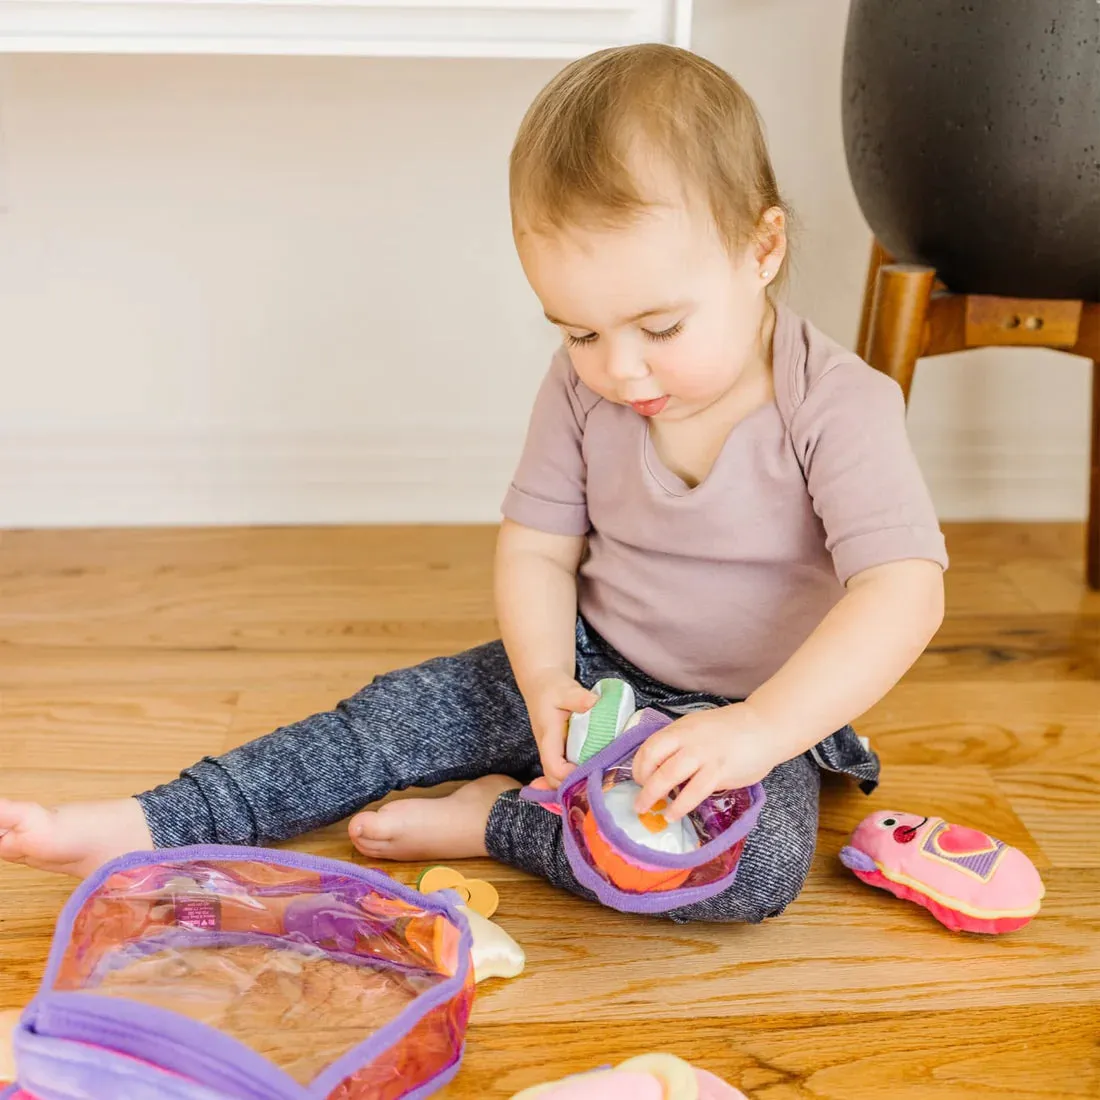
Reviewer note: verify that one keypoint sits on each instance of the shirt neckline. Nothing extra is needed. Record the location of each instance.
(671, 482)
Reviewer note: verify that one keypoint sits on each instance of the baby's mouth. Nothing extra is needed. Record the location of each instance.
(650, 408)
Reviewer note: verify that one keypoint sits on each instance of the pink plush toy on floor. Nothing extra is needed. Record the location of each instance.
(967, 880)
(650, 1077)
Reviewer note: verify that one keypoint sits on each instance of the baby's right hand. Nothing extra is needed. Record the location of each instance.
(550, 703)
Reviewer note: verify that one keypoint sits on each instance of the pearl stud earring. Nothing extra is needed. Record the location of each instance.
(765, 274)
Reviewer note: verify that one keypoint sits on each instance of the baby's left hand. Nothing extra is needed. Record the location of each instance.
(710, 750)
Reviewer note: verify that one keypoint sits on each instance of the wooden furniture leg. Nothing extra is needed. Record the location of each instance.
(895, 327)
(1088, 345)
(1093, 545)
(907, 314)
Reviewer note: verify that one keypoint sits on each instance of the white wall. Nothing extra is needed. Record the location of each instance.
(264, 290)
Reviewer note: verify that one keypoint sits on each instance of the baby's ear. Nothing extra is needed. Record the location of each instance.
(771, 237)
(9, 1018)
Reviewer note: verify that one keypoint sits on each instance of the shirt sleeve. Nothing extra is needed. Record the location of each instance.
(548, 489)
(861, 472)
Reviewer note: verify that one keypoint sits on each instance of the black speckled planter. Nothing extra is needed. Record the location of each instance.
(972, 131)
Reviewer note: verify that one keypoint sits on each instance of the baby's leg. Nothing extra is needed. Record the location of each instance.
(451, 718)
(778, 852)
(774, 862)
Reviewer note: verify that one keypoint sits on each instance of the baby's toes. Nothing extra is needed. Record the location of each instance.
(371, 831)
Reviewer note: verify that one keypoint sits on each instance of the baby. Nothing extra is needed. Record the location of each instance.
(715, 502)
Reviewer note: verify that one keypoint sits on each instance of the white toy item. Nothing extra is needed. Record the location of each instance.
(651, 829)
(593, 731)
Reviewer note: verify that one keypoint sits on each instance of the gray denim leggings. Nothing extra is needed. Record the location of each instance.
(463, 717)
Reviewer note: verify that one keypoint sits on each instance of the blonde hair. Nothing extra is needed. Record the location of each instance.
(572, 159)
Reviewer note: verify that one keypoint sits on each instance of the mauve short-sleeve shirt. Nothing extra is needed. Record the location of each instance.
(713, 588)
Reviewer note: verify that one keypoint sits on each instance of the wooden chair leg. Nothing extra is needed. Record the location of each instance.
(895, 328)
(1093, 550)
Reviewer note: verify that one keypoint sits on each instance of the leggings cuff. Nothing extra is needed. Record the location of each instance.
(203, 806)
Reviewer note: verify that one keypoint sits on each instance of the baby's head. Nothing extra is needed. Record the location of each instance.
(649, 224)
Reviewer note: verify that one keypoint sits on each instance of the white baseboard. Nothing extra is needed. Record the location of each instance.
(418, 475)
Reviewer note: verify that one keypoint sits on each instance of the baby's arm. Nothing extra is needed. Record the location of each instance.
(881, 530)
(854, 657)
(856, 654)
(536, 601)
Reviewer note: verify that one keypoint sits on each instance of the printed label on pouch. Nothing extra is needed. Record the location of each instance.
(201, 913)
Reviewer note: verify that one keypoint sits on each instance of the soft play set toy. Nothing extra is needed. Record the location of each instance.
(495, 954)
(649, 1077)
(209, 973)
(633, 862)
(967, 880)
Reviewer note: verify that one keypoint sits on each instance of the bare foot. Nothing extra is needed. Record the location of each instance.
(71, 840)
(431, 828)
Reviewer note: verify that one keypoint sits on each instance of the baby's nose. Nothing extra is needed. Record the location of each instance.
(625, 367)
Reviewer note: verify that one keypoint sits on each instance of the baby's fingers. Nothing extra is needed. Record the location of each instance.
(697, 788)
(551, 743)
(576, 700)
(678, 769)
(655, 750)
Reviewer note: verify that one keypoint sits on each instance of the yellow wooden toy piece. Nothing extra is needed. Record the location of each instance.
(479, 895)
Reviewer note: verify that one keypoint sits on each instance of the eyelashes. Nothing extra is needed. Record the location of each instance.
(580, 341)
(667, 334)
(656, 337)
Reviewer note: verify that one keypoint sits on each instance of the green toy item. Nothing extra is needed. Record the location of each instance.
(595, 729)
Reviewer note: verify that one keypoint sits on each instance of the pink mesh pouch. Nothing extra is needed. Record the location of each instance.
(215, 973)
(602, 845)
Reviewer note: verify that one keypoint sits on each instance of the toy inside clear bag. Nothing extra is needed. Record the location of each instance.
(647, 852)
(640, 862)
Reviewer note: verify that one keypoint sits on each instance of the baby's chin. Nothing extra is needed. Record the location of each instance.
(679, 408)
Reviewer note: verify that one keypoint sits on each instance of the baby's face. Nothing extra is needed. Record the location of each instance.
(657, 315)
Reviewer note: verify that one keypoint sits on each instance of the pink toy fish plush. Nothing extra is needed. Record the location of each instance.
(967, 880)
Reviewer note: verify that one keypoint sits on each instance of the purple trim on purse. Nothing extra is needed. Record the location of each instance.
(163, 1039)
(590, 773)
(59, 1069)
(200, 1054)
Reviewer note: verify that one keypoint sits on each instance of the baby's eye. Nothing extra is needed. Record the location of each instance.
(665, 334)
(580, 341)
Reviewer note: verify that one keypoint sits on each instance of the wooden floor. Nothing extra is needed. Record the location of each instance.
(126, 655)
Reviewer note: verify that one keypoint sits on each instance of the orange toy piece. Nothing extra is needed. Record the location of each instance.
(476, 893)
(629, 876)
